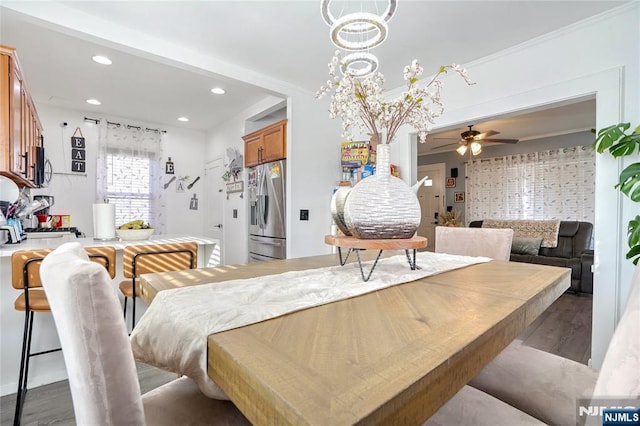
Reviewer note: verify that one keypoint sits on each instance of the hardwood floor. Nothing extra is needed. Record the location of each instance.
(51, 404)
(564, 329)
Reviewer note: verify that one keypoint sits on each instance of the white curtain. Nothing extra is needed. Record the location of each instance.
(557, 184)
(129, 173)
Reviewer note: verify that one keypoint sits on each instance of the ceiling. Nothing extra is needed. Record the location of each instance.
(266, 44)
(553, 121)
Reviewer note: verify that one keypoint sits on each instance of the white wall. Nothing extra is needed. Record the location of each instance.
(75, 193)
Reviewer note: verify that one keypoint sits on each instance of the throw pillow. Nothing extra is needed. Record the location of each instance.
(530, 246)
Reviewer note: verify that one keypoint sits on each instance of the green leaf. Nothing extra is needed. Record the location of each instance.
(443, 69)
(626, 145)
(413, 80)
(633, 232)
(609, 135)
(634, 253)
(629, 182)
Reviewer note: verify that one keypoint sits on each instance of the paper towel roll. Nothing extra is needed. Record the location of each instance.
(104, 221)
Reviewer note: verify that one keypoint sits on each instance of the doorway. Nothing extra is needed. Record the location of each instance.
(432, 201)
(214, 213)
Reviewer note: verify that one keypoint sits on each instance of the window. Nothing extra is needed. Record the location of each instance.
(130, 175)
(557, 184)
(129, 187)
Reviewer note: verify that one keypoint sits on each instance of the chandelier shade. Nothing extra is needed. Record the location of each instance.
(359, 64)
(356, 28)
(355, 43)
(476, 148)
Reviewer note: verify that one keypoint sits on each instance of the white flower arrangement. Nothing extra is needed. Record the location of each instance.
(360, 102)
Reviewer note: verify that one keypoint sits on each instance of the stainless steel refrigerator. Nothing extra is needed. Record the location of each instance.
(267, 233)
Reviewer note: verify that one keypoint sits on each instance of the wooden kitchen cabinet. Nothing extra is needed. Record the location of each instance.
(265, 145)
(21, 130)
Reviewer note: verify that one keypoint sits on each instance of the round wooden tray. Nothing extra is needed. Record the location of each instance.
(387, 244)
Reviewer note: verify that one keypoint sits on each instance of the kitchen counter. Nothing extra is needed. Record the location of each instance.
(50, 368)
(38, 243)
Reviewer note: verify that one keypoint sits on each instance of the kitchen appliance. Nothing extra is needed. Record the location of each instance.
(70, 233)
(50, 200)
(43, 220)
(13, 229)
(267, 233)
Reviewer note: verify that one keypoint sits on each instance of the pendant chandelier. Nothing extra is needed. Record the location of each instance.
(358, 32)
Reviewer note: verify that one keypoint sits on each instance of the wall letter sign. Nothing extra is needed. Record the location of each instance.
(78, 154)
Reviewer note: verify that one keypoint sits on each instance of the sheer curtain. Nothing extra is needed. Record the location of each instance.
(129, 173)
(555, 184)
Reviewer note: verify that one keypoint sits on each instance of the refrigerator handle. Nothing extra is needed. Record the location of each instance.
(259, 212)
(265, 211)
(267, 243)
(263, 200)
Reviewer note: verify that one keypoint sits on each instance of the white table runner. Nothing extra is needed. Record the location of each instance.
(172, 334)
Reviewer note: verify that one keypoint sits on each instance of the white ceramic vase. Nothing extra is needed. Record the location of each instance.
(337, 208)
(382, 206)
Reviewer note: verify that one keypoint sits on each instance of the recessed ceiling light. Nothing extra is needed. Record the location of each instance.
(218, 91)
(183, 119)
(93, 101)
(101, 60)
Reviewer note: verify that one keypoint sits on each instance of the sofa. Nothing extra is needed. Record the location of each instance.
(573, 251)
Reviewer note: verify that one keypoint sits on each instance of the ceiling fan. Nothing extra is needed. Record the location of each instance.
(472, 138)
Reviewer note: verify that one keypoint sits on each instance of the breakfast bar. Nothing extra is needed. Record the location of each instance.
(50, 367)
(391, 356)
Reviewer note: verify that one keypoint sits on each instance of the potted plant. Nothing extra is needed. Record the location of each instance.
(619, 142)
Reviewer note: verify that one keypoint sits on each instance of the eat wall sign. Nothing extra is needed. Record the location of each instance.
(78, 153)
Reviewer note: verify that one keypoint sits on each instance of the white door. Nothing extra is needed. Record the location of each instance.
(432, 199)
(215, 202)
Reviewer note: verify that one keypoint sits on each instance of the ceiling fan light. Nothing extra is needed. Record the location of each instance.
(462, 149)
(476, 148)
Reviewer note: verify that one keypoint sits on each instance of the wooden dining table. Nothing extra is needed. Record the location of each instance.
(393, 356)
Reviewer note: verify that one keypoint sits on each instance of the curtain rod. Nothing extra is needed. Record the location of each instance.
(129, 126)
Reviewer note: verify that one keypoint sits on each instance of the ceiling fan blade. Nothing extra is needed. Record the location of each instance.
(501, 140)
(442, 139)
(443, 146)
(481, 136)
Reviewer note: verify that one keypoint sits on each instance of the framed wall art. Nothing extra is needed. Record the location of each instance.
(458, 197)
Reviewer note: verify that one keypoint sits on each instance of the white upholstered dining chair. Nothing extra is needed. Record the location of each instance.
(487, 242)
(97, 352)
(547, 386)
